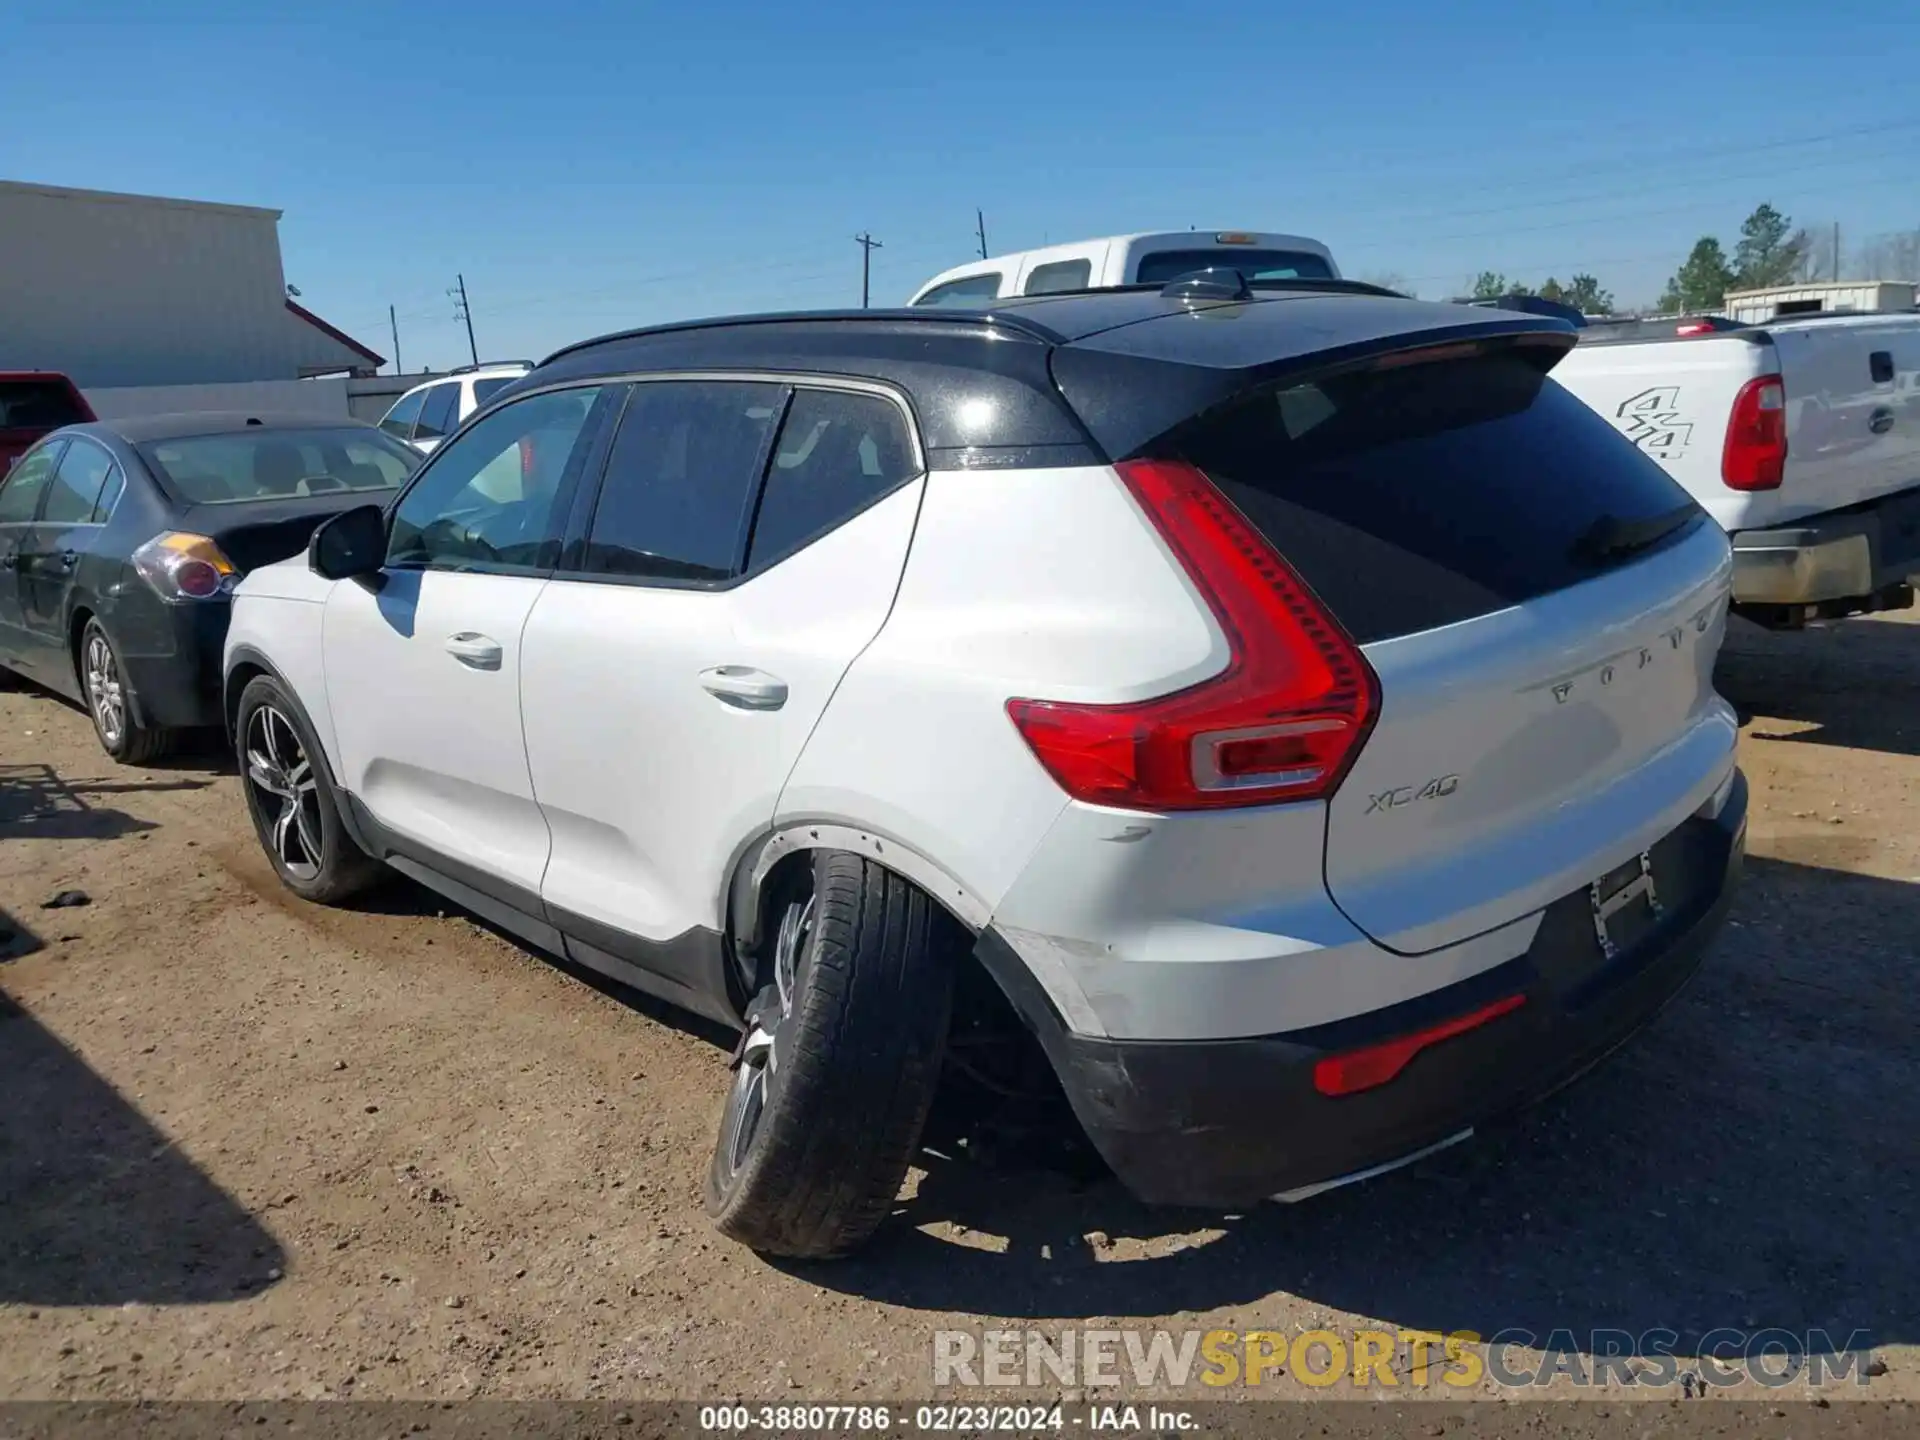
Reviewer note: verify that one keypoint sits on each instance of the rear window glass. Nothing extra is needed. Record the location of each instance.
(1425, 494)
(485, 390)
(1166, 265)
(37, 405)
(973, 291)
(1060, 276)
(278, 464)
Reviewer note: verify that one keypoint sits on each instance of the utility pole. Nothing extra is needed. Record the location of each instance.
(867, 246)
(394, 325)
(981, 220)
(1836, 249)
(464, 311)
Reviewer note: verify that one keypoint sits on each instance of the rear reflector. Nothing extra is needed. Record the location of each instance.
(1366, 1069)
(1283, 721)
(1755, 456)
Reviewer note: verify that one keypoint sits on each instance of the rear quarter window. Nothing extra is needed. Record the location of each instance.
(1422, 495)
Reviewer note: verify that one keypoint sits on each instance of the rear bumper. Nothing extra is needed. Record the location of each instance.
(172, 654)
(1231, 1122)
(1843, 555)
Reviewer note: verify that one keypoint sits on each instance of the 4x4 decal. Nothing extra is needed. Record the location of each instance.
(1652, 421)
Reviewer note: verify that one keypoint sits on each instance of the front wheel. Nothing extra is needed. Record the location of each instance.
(295, 809)
(839, 1063)
(110, 703)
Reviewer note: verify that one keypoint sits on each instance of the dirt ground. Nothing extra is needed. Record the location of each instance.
(250, 1148)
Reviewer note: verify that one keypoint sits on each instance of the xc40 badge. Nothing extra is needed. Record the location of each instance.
(1437, 788)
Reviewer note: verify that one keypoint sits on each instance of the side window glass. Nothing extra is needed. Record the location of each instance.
(439, 413)
(20, 494)
(490, 499)
(839, 451)
(76, 484)
(974, 290)
(678, 493)
(399, 420)
(115, 482)
(1060, 275)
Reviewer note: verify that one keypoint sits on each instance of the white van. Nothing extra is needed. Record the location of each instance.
(1128, 260)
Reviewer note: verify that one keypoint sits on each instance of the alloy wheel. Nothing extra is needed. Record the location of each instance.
(285, 792)
(106, 696)
(766, 1046)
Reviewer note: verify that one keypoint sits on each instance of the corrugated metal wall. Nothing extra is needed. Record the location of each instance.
(118, 290)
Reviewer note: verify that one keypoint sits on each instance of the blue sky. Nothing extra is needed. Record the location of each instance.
(592, 166)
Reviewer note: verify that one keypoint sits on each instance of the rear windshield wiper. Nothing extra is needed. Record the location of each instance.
(1610, 537)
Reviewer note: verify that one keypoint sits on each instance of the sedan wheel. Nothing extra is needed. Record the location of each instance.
(106, 697)
(286, 790)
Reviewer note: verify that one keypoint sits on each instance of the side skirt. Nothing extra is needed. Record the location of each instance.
(688, 971)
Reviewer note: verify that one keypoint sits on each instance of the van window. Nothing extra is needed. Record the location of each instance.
(964, 294)
(1060, 275)
(1162, 266)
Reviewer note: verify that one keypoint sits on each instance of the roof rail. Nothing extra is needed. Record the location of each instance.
(488, 365)
(924, 315)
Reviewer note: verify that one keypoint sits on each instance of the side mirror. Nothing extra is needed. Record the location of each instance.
(350, 544)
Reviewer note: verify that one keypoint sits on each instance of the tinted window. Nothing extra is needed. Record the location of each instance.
(265, 464)
(1061, 275)
(1417, 496)
(485, 390)
(972, 291)
(491, 497)
(838, 453)
(76, 484)
(1166, 265)
(399, 420)
(680, 481)
(116, 481)
(37, 404)
(439, 412)
(20, 495)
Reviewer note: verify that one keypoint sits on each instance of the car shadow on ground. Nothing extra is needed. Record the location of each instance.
(97, 1207)
(1749, 1161)
(1856, 684)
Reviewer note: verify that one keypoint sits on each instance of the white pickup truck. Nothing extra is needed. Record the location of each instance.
(1152, 257)
(1801, 436)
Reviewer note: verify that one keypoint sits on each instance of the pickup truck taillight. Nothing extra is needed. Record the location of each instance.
(1755, 457)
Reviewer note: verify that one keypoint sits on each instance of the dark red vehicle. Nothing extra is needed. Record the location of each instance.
(34, 403)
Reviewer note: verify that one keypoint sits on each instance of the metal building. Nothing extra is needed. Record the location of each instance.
(1755, 307)
(137, 290)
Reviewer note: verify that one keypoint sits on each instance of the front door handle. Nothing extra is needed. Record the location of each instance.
(1880, 421)
(67, 560)
(482, 652)
(744, 687)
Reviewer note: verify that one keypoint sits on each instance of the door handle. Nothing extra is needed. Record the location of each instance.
(744, 687)
(68, 559)
(1880, 421)
(482, 652)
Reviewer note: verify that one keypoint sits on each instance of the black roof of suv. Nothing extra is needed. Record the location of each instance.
(1077, 378)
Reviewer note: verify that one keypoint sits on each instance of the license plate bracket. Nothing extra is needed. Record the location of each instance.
(1620, 898)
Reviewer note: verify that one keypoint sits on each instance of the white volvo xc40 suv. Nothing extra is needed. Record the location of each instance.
(1293, 704)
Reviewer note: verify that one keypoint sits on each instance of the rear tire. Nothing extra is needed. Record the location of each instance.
(839, 1064)
(103, 680)
(291, 797)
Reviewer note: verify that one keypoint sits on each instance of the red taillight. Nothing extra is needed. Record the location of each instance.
(1283, 721)
(1359, 1070)
(1694, 327)
(1755, 457)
